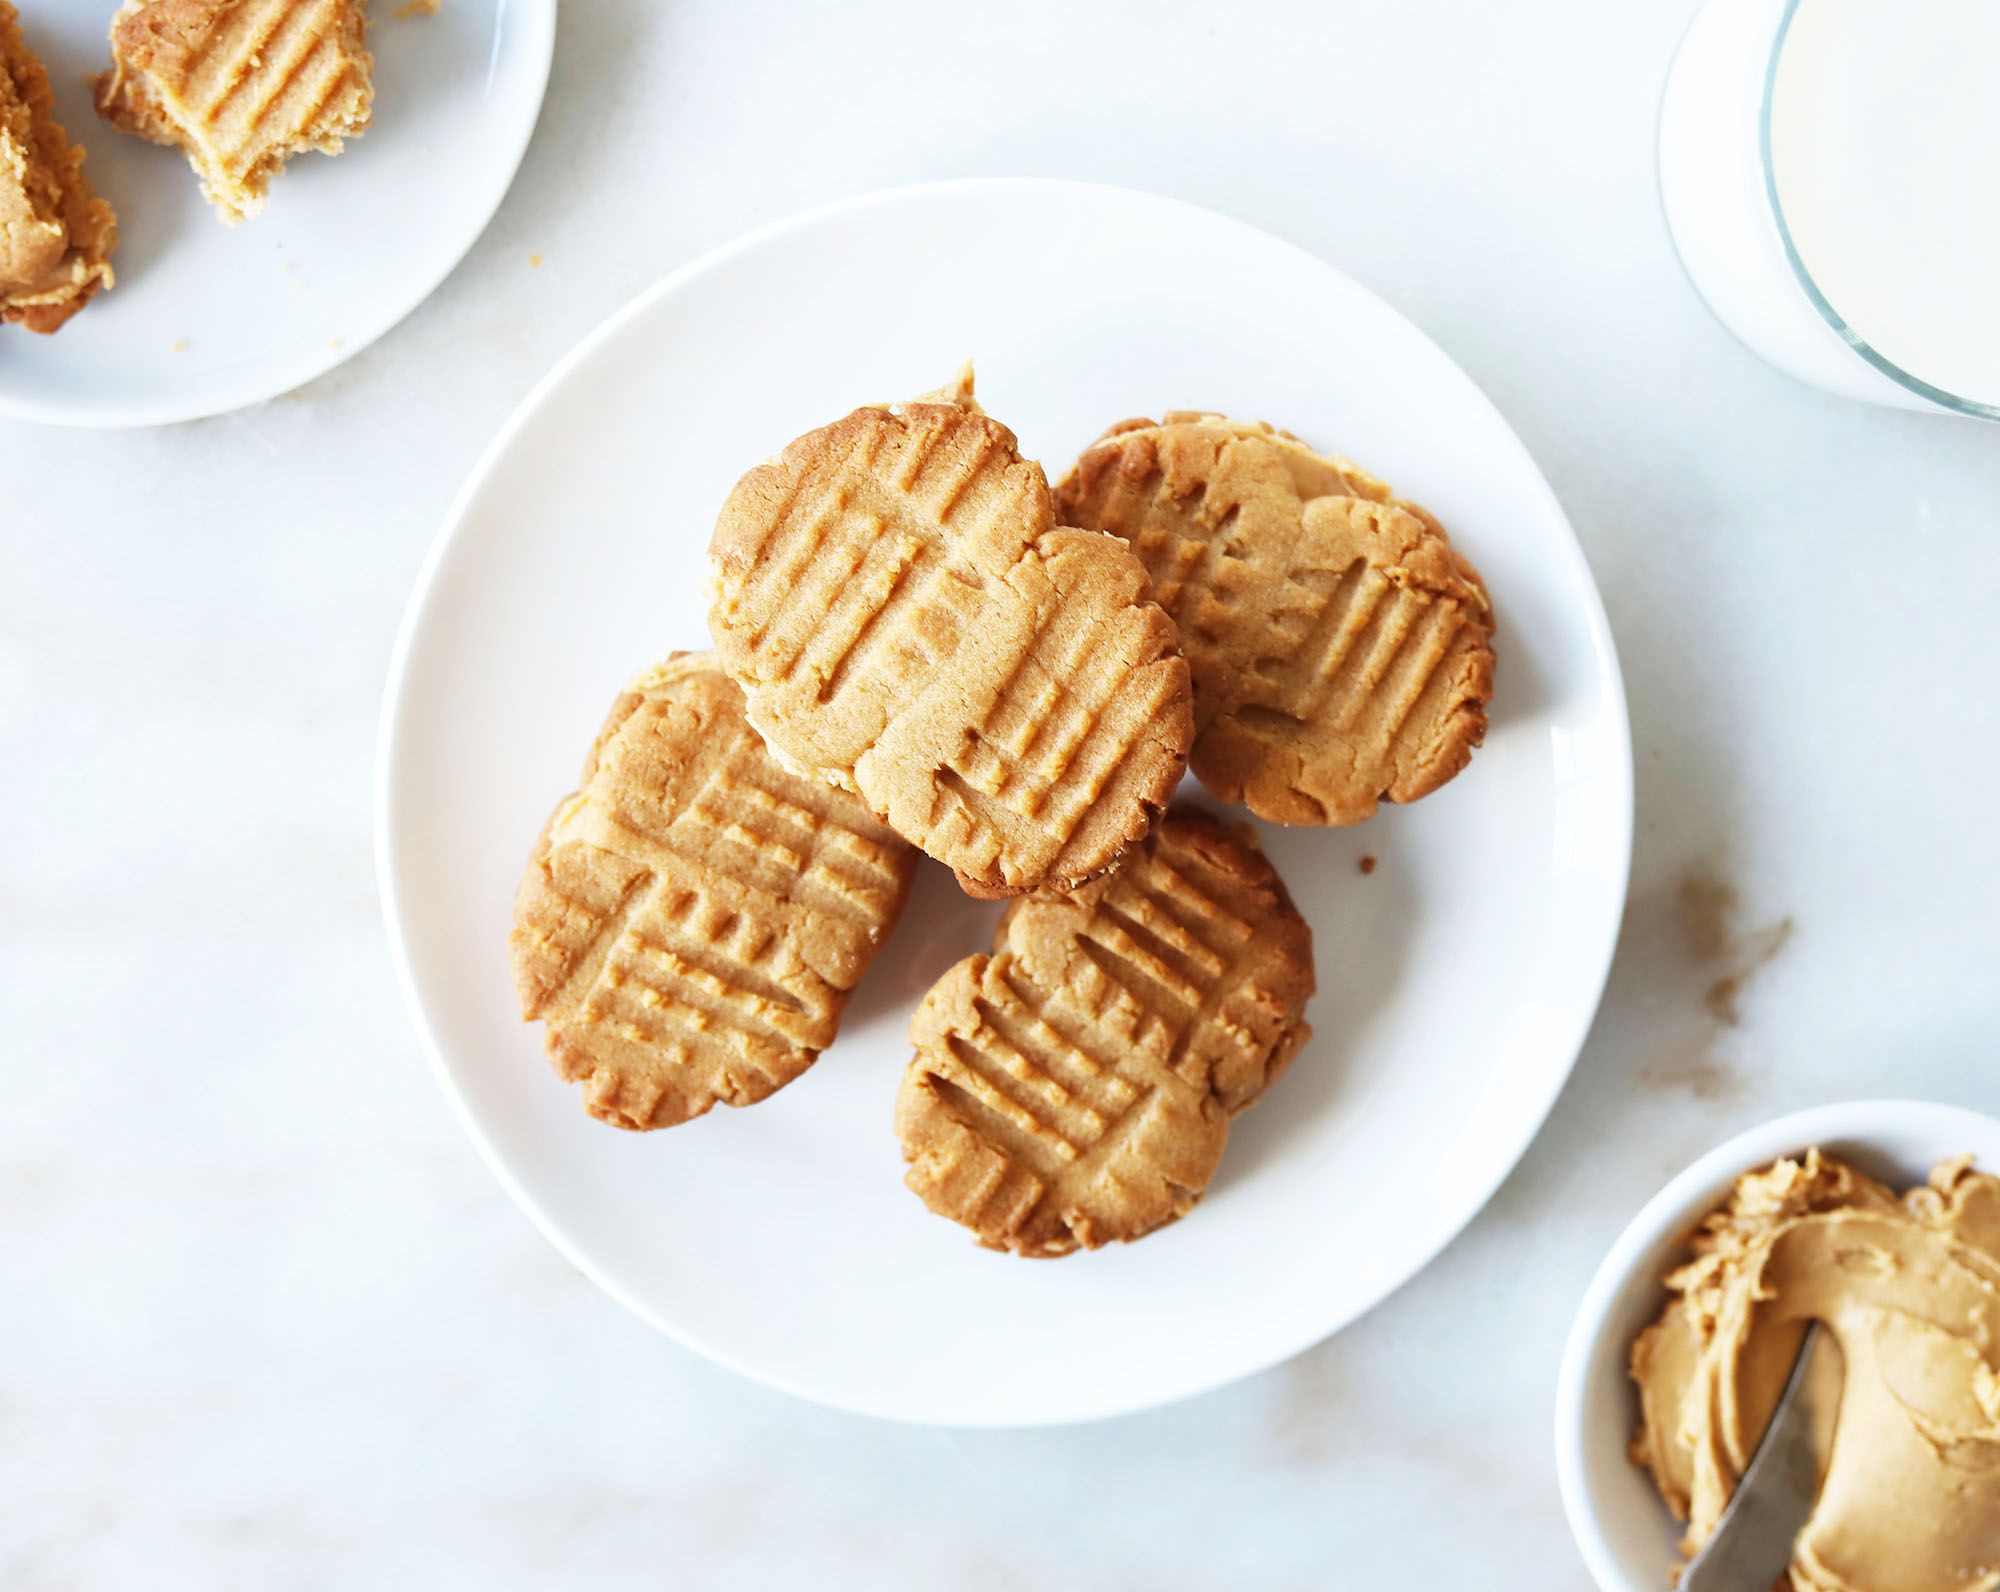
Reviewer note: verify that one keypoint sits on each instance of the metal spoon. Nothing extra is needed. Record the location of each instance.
(1752, 1542)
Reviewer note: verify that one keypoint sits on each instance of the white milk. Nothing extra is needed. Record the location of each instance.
(1885, 144)
(1885, 158)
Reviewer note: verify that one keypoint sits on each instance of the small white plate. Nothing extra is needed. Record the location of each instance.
(1456, 981)
(207, 318)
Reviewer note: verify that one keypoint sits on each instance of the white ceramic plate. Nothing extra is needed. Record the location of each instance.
(207, 318)
(1457, 979)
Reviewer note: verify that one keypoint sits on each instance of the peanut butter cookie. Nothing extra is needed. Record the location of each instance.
(908, 621)
(240, 86)
(694, 916)
(56, 236)
(1074, 1088)
(1342, 651)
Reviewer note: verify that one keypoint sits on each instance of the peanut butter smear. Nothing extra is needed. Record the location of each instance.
(1910, 1443)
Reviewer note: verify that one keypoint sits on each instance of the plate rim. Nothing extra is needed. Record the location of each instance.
(133, 417)
(1608, 674)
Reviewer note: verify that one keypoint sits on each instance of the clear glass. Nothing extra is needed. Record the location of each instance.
(1719, 194)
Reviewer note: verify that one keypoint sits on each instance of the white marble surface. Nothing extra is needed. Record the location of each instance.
(265, 1320)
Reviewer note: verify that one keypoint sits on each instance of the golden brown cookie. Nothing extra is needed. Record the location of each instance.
(1075, 1086)
(1342, 651)
(908, 621)
(240, 86)
(694, 916)
(56, 236)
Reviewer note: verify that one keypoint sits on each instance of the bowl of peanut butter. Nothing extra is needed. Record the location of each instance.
(1878, 1219)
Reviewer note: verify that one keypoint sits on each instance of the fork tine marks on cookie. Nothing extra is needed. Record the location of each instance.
(895, 597)
(1100, 1050)
(1304, 590)
(694, 917)
(240, 86)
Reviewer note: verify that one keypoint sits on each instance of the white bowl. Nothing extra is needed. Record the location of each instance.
(1623, 1528)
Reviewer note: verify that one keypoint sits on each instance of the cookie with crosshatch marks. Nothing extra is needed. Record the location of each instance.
(694, 916)
(1342, 650)
(1074, 1087)
(240, 86)
(908, 621)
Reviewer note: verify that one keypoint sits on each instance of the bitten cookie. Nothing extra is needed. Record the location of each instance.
(240, 86)
(1342, 651)
(56, 236)
(908, 621)
(694, 916)
(1074, 1088)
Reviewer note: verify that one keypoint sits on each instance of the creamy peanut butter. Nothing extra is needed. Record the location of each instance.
(1910, 1289)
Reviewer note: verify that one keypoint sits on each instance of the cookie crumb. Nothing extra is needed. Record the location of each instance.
(416, 8)
(1758, 951)
(1703, 1076)
(1709, 932)
(534, 262)
(1367, 865)
(180, 346)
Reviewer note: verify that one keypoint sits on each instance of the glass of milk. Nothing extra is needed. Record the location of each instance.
(1830, 171)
